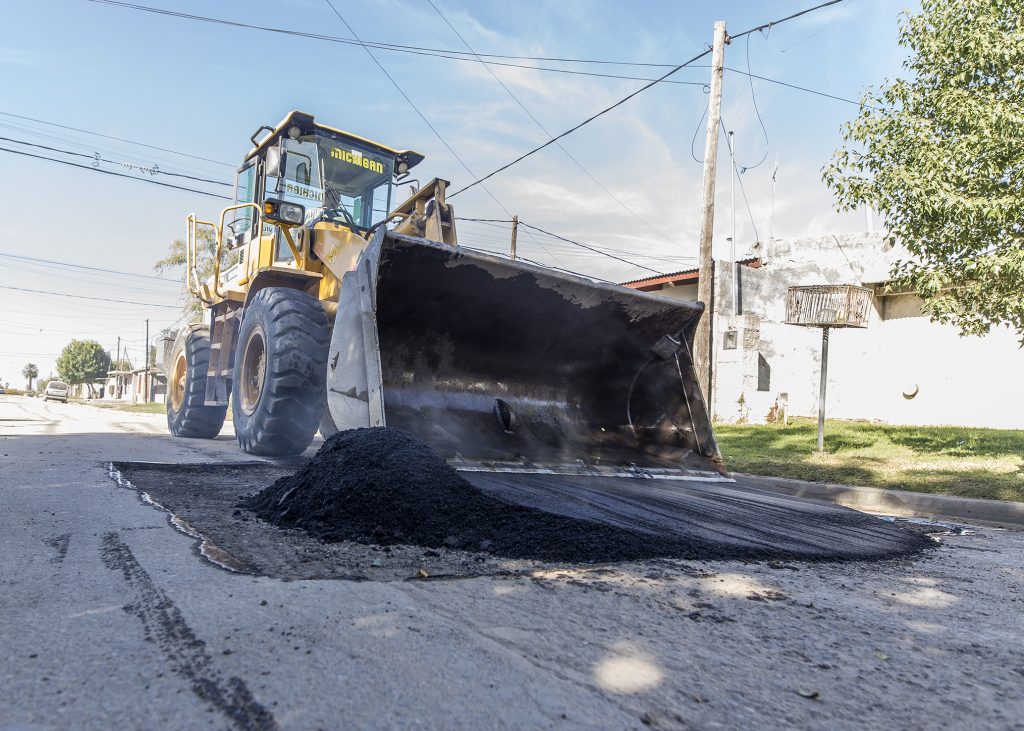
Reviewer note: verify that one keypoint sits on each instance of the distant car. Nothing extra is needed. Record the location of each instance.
(2, 390)
(56, 391)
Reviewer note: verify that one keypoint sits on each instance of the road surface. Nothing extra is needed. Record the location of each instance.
(112, 620)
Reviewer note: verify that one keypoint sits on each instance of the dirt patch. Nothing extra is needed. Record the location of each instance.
(204, 497)
(396, 511)
(383, 486)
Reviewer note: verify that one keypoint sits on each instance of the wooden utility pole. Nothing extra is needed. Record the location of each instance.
(706, 282)
(117, 370)
(515, 232)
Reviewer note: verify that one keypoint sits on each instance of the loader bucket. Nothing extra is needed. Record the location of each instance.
(496, 362)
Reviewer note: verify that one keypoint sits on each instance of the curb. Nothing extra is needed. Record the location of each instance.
(895, 502)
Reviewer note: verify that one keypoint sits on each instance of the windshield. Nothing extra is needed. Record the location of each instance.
(336, 178)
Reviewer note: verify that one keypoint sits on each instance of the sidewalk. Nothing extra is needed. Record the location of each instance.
(896, 502)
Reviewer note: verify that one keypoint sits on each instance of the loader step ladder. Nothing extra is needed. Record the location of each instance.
(223, 332)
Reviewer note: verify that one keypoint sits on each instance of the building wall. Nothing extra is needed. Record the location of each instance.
(680, 291)
(901, 369)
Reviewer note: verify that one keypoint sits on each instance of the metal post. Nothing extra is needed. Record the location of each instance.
(821, 389)
(145, 377)
(515, 232)
(702, 353)
(732, 247)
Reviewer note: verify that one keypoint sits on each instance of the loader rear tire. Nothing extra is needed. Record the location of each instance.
(187, 414)
(279, 387)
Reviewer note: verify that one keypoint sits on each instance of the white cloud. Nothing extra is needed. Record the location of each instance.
(25, 57)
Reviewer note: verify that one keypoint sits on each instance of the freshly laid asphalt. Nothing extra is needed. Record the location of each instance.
(112, 619)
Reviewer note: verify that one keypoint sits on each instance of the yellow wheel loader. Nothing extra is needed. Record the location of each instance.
(330, 307)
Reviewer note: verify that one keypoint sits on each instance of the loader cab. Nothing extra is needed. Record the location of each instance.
(337, 177)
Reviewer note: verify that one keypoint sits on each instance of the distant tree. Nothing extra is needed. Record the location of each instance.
(30, 371)
(83, 361)
(177, 257)
(941, 154)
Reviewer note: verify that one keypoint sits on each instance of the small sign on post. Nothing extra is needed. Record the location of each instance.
(827, 306)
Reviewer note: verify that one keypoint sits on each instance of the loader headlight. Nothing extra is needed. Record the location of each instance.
(290, 214)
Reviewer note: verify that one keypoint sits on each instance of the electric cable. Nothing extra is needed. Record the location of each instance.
(591, 248)
(84, 297)
(629, 96)
(632, 94)
(739, 179)
(543, 129)
(753, 99)
(111, 172)
(457, 55)
(417, 110)
(585, 122)
(113, 162)
(819, 30)
(90, 268)
(696, 132)
(119, 139)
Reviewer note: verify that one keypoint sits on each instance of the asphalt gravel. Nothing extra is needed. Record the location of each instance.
(384, 486)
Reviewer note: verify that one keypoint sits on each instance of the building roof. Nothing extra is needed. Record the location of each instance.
(686, 276)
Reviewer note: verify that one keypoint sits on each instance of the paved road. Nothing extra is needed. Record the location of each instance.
(110, 619)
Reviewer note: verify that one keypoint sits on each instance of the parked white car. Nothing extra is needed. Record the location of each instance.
(56, 391)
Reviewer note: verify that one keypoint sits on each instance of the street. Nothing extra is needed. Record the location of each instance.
(113, 619)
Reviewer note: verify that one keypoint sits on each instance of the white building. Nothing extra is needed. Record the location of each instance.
(902, 369)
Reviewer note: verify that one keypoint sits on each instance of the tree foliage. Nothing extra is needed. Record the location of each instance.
(177, 258)
(30, 371)
(941, 154)
(83, 361)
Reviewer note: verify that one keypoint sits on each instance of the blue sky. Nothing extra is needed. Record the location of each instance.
(204, 89)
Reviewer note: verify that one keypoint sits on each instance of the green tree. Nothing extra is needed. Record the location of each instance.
(941, 154)
(176, 259)
(83, 361)
(30, 371)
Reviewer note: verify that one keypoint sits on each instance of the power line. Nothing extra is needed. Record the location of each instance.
(798, 88)
(586, 121)
(602, 251)
(119, 139)
(84, 297)
(772, 23)
(114, 150)
(89, 268)
(590, 248)
(753, 99)
(819, 30)
(97, 158)
(459, 55)
(396, 47)
(417, 110)
(739, 177)
(642, 89)
(111, 172)
(545, 131)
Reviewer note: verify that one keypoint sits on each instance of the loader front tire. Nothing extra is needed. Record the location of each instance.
(187, 414)
(280, 378)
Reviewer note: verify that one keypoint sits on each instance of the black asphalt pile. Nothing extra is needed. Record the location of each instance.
(384, 486)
